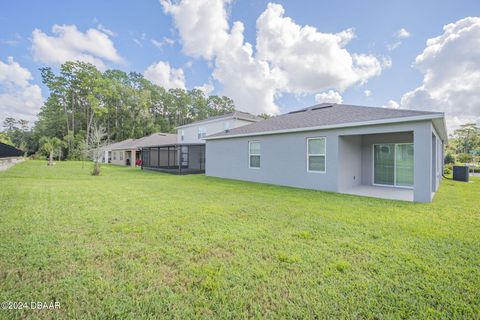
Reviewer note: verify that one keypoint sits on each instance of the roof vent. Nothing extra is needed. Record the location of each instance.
(298, 111)
(321, 107)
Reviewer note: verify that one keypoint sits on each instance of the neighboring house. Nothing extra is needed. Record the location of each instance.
(196, 132)
(128, 151)
(187, 154)
(378, 152)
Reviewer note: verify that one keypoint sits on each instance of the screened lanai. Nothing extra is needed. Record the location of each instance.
(176, 158)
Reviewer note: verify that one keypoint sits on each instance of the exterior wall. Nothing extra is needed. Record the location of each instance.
(284, 157)
(116, 159)
(349, 161)
(215, 126)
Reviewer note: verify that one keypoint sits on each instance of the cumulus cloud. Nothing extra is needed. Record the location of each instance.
(450, 64)
(19, 98)
(330, 96)
(160, 43)
(287, 57)
(162, 74)
(68, 43)
(367, 93)
(391, 104)
(398, 36)
(206, 88)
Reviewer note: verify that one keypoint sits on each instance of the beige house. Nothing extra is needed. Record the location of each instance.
(127, 152)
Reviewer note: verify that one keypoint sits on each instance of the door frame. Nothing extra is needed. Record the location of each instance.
(394, 185)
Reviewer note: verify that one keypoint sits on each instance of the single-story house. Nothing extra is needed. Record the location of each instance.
(187, 153)
(128, 151)
(378, 152)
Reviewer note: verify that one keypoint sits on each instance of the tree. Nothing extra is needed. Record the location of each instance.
(449, 159)
(5, 139)
(50, 146)
(468, 137)
(96, 145)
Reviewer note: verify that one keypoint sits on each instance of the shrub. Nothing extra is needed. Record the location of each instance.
(447, 170)
(449, 158)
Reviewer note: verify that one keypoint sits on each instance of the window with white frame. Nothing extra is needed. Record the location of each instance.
(254, 154)
(316, 154)
(121, 155)
(114, 155)
(182, 135)
(202, 132)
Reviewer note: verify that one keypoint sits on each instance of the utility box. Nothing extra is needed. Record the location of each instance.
(460, 173)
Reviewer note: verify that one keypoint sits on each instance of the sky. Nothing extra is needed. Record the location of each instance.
(271, 57)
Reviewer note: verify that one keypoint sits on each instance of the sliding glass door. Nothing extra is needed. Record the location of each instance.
(393, 164)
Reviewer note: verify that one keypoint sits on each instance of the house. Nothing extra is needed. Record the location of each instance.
(378, 152)
(187, 153)
(128, 151)
(196, 132)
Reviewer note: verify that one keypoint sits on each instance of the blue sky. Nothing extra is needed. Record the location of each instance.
(132, 27)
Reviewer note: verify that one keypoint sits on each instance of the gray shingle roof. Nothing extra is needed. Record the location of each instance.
(235, 114)
(154, 139)
(324, 114)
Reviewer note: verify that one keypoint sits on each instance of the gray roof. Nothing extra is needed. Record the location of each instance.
(325, 114)
(236, 114)
(154, 139)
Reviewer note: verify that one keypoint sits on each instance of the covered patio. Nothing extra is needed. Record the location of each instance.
(390, 193)
(175, 158)
(388, 163)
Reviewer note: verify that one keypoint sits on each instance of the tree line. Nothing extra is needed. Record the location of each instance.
(125, 105)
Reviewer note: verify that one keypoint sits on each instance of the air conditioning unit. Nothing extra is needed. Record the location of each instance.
(460, 173)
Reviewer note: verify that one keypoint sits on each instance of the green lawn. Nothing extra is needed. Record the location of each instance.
(133, 244)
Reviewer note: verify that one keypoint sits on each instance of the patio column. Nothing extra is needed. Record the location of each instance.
(422, 168)
(133, 157)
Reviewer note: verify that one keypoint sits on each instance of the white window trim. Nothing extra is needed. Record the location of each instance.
(254, 154)
(315, 154)
(182, 135)
(394, 166)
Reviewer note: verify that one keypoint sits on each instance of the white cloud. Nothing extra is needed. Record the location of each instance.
(19, 98)
(450, 64)
(202, 25)
(105, 30)
(206, 88)
(399, 36)
(287, 58)
(165, 41)
(331, 96)
(311, 59)
(367, 93)
(403, 34)
(68, 43)
(391, 104)
(165, 76)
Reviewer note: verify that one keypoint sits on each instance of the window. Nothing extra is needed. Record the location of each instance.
(254, 154)
(182, 135)
(121, 155)
(202, 132)
(316, 154)
(114, 155)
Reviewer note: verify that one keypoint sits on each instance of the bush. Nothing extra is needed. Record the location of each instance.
(447, 170)
(449, 159)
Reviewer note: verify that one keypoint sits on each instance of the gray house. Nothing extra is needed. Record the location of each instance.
(379, 152)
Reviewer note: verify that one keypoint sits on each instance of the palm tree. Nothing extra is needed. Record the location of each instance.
(50, 145)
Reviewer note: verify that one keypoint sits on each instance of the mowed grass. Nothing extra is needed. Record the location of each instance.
(133, 244)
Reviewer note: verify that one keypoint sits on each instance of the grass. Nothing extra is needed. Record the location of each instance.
(133, 244)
